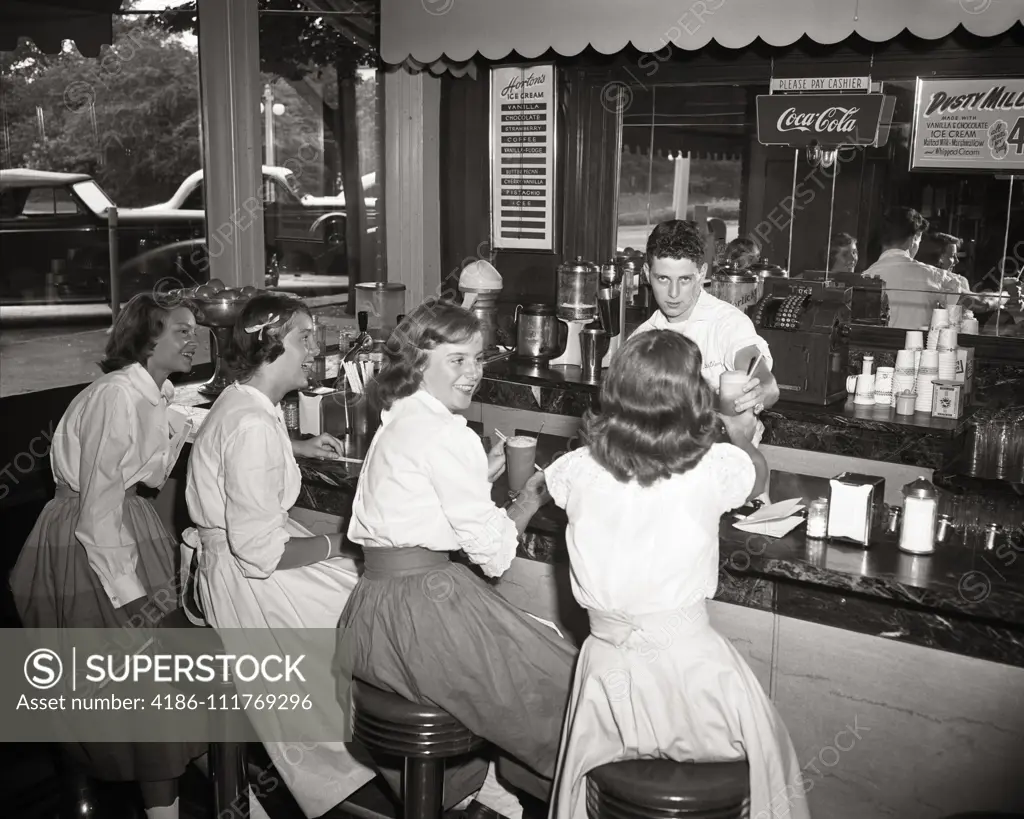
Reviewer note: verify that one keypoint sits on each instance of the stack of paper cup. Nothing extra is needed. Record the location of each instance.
(883, 385)
(940, 320)
(905, 375)
(956, 312)
(926, 374)
(947, 365)
(915, 343)
(915, 340)
(865, 389)
(947, 339)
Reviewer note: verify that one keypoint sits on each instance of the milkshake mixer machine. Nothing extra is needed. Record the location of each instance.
(576, 306)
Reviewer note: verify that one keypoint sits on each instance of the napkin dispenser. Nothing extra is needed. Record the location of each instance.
(322, 410)
(856, 507)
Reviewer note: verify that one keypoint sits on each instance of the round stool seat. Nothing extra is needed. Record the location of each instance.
(665, 789)
(391, 724)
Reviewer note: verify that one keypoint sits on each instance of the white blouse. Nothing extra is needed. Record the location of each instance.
(643, 550)
(424, 483)
(114, 435)
(243, 478)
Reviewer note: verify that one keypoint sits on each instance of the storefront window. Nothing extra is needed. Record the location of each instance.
(82, 135)
(320, 149)
(683, 150)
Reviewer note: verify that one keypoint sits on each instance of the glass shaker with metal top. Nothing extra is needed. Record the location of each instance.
(920, 517)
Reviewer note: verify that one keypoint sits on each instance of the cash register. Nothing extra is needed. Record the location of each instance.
(806, 324)
(869, 303)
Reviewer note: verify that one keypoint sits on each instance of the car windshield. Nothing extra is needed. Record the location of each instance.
(93, 196)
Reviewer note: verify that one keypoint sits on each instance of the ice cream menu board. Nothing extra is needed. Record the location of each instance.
(523, 157)
(969, 125)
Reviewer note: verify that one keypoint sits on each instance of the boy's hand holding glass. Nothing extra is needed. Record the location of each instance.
(496, 461)
(752, 397)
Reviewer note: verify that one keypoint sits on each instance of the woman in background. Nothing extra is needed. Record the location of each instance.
(99, 557)
(741, 253)
(654, 679)
(842, 254)
(257, 567)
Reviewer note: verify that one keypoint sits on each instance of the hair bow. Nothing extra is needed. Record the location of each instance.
(259, 328)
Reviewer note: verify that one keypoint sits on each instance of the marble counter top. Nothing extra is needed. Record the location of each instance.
(960, 600)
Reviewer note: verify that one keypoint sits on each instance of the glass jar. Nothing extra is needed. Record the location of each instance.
(383, 302)
(920, 517)
(577, 291)
(817, 518)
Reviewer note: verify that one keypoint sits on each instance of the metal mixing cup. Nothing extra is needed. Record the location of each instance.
(593, 346)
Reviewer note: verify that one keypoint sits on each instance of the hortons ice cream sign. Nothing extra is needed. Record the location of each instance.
(969, 125)
(830, 120)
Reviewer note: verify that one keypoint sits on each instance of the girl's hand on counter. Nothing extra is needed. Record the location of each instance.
(496, 461)
(321, 446)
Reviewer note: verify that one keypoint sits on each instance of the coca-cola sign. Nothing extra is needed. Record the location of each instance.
(830, 120)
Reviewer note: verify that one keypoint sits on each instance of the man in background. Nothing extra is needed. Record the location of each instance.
(914, 288)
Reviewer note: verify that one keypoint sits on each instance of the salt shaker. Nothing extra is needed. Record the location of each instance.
(920, 516)
(817, 518)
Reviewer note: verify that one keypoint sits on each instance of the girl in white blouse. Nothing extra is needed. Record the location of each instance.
(422, 625)
(644, 499)
(99, 557)
(258, 568)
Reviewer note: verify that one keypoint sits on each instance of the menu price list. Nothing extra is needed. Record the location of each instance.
(523, 163)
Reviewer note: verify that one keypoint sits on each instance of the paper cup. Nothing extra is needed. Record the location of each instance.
(940, 318)
(905, 360)
(914, 340)
(929, 360)
(947, 339)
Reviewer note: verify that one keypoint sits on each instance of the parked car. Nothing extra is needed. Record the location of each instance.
(307, 232)
(54, 237)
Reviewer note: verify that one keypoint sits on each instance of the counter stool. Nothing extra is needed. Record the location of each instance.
(229, 771)
(422, 735)
(664, 789)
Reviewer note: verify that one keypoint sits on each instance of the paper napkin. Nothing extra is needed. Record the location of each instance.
(774, 519)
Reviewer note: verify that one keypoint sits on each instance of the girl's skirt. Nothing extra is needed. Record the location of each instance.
(433, 632)
(55, 587)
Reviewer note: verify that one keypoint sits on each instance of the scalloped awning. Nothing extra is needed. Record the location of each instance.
(48, 23)
(456, 30)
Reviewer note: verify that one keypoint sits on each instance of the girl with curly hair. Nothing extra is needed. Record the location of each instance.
(644, 498)
(422, 625)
